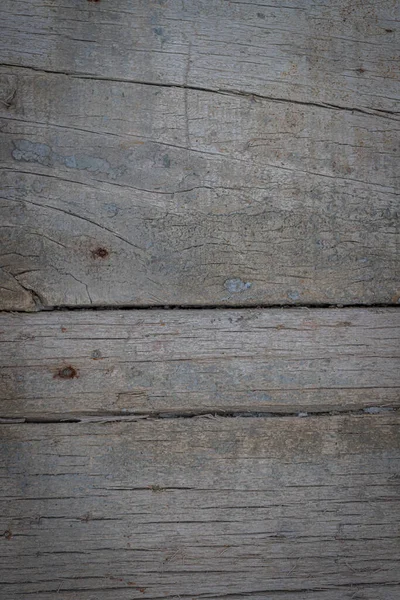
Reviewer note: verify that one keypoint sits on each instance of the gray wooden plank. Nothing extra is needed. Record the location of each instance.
(335, 53)
(93, 363)
(221, 508)
(123, 194)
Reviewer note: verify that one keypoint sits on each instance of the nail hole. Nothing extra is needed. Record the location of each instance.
(100, 253)
(67, 373)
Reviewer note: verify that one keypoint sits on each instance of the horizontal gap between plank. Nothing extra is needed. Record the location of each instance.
(217, 414)
(238, 306)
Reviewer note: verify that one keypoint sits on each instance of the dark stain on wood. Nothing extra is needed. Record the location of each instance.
(66, 373)
(100, 253)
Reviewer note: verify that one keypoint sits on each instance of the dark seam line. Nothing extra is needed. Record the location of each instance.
(231, 414)
(166, 307)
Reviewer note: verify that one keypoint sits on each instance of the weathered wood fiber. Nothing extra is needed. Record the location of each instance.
(117, 193)
(262, 508)
(340, 52)
(133, 362)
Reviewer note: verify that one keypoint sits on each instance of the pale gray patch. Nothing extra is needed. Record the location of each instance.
(374, 410)
(111, 209)
(27, 151)
(293, 295)
(235, 286)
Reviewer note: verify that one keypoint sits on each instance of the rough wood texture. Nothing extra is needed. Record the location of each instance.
(341, 52)
(279, 189)
(95, 363)
(223, 508)
(207, 152)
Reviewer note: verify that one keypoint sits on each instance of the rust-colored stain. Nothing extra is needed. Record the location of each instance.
(360, 70)
(66, 373)
(8, 534)
(396, 299)
(100, 253)
(63, 329)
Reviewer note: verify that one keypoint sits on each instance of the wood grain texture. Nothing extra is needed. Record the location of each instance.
(124, 194)
(337, 53)
(223, 508)
(93, 363)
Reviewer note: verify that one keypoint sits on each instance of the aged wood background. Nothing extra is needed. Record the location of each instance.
(206, 508)
(76, 364)
(199, 152)
(199, 349)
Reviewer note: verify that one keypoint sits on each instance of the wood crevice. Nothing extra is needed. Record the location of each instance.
(387, 114)
(40, 306)
(199, 414)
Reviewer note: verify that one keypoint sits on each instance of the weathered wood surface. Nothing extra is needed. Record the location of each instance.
(198, 508)
(199, 153)
(81, 363)
(117, 191)
(130, 194)
(337, 53)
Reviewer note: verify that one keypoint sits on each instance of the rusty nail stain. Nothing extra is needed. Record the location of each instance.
(63, 329)
(142, 590)
(396, 299)
(8, 534)
(96, 354)
(100, 253)
(360, 70)
(67, 373)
